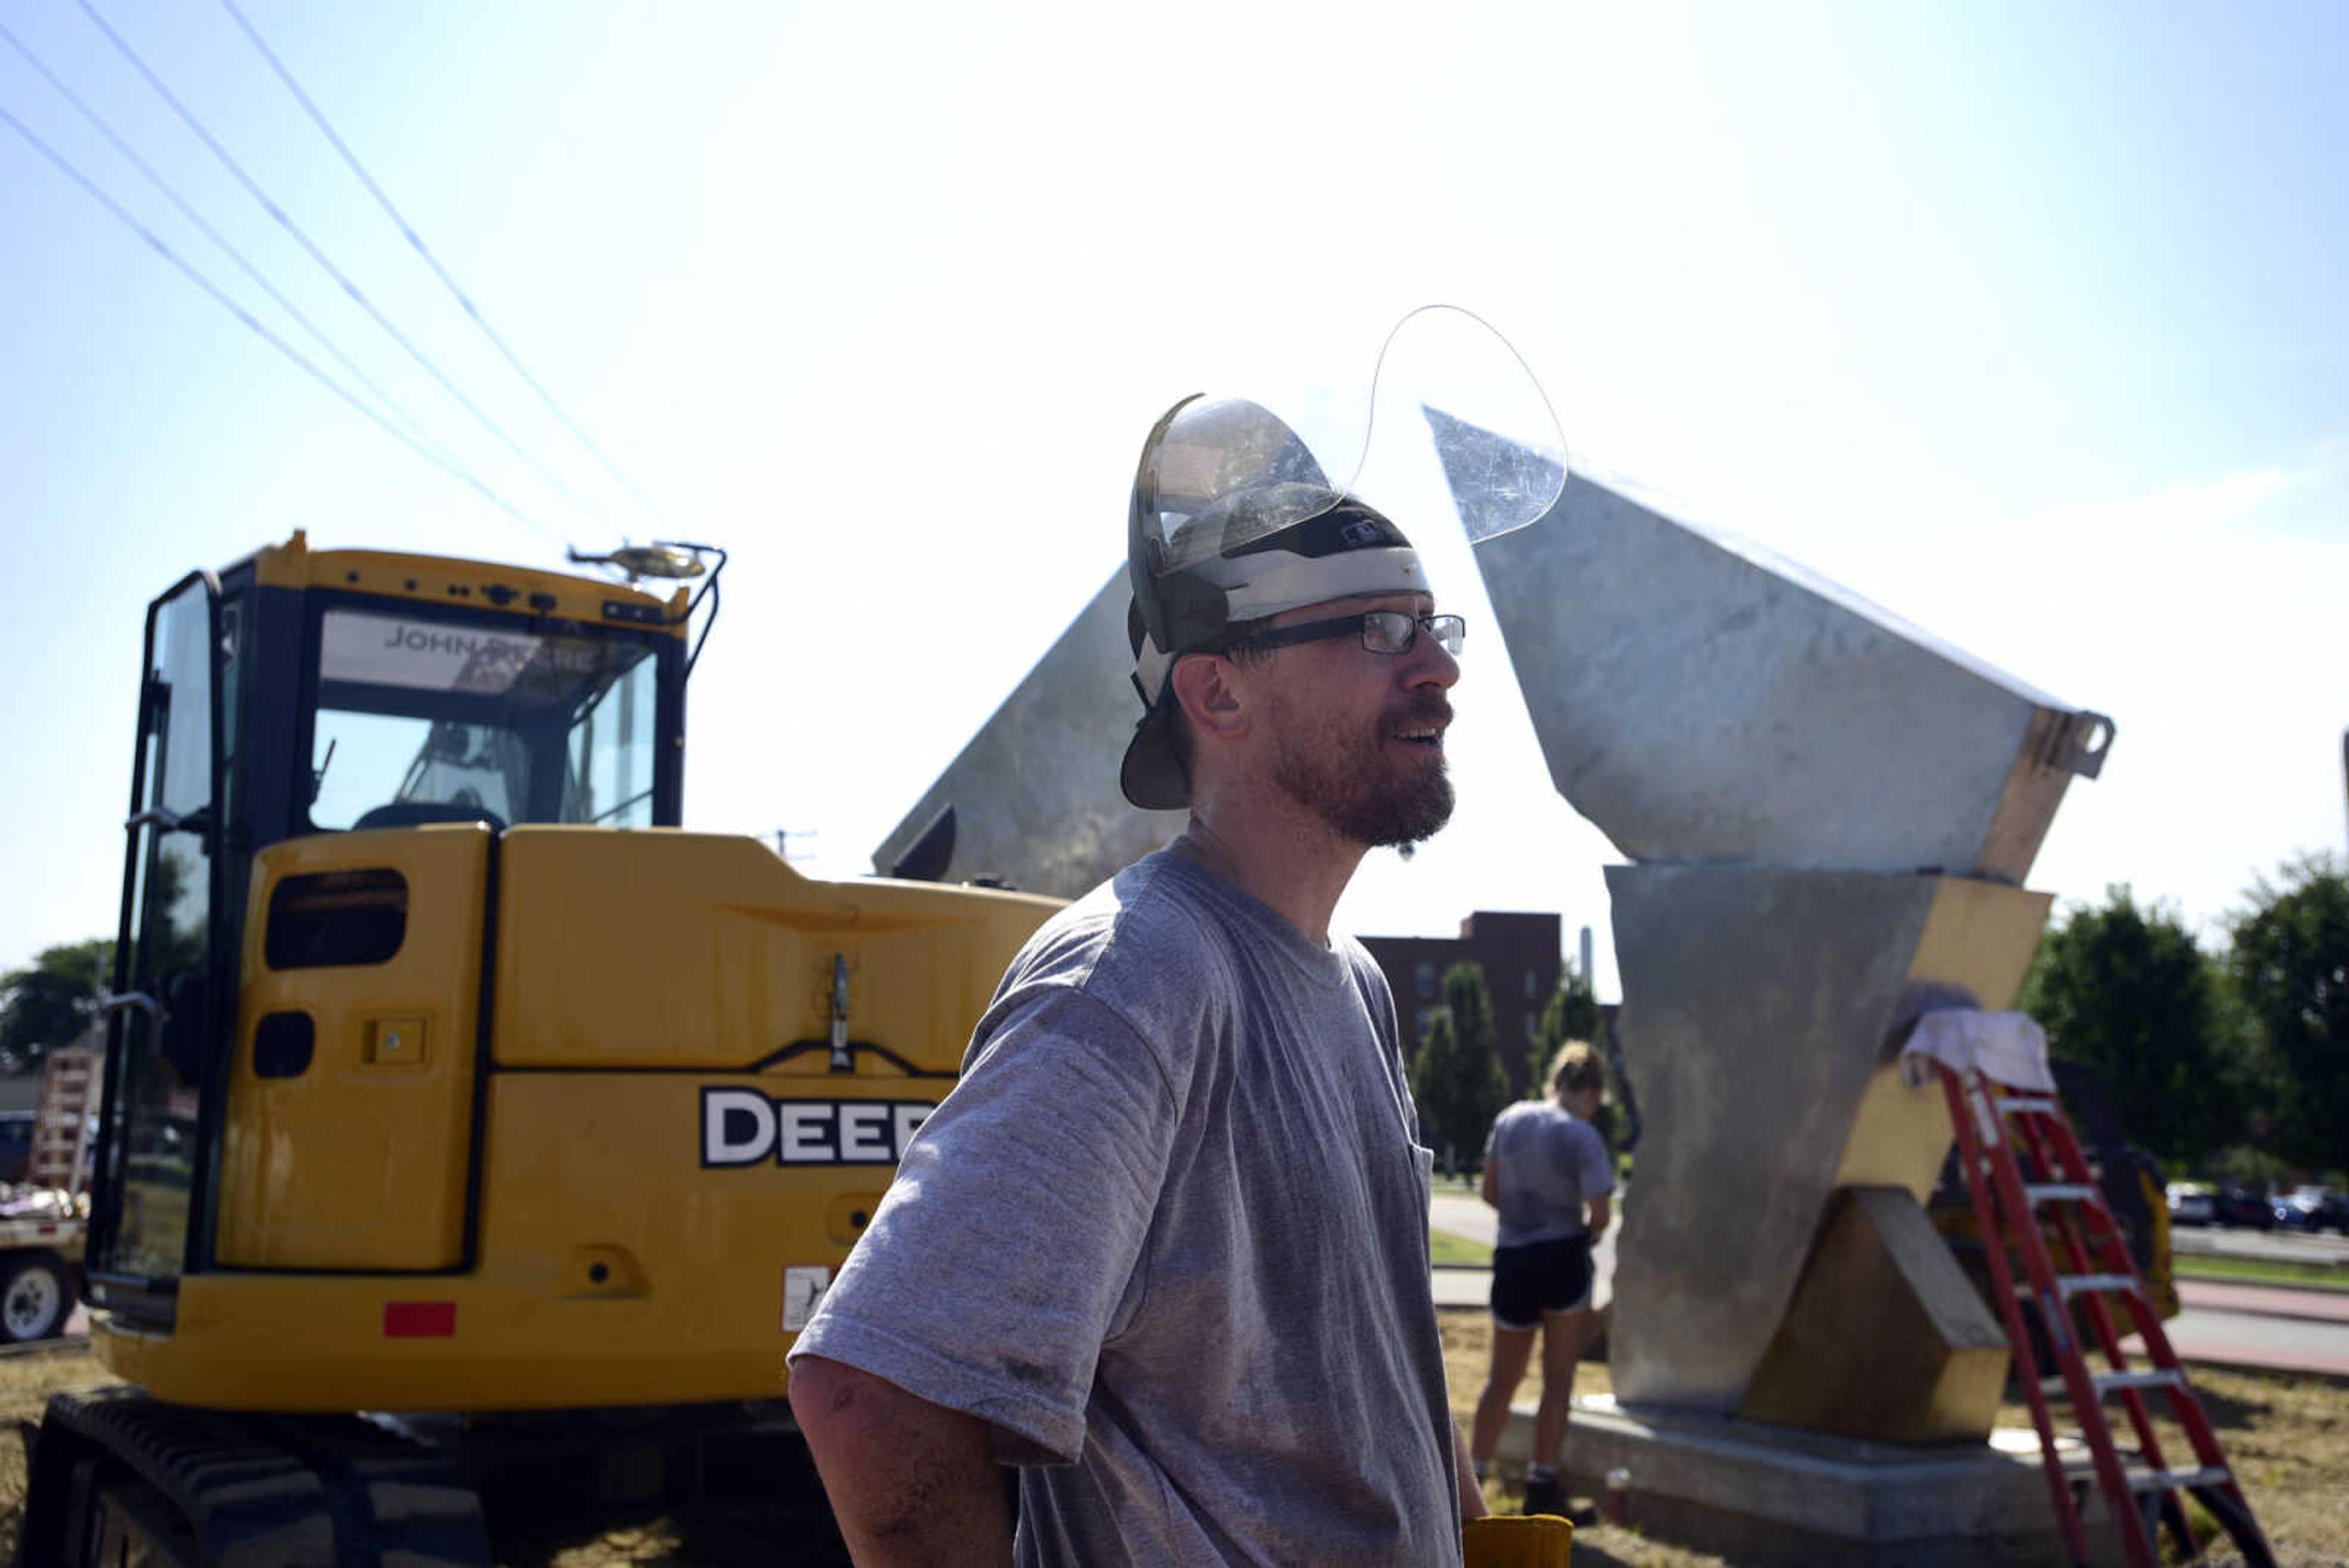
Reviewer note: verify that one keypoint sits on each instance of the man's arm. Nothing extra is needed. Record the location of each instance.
(910, 1483)
(1492, 1187)
(1597, 1213)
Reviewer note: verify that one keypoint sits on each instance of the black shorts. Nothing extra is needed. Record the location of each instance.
(1540, 1277)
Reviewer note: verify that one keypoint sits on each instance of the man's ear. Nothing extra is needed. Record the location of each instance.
(1204, 686)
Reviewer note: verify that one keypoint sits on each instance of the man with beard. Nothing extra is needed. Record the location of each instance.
(1164, 1246)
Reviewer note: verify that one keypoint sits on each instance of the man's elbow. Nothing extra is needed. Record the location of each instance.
(823, 1396)
(858, 1423)
(909, 1481)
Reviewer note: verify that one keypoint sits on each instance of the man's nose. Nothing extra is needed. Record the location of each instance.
(1427, 667)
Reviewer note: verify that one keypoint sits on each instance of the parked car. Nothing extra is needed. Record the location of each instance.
(2313, 1209)
(16, 1144)
(2242, 1203)
(2190, 1203)
(2331, 1213)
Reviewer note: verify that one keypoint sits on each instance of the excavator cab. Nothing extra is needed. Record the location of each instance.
(300, 693)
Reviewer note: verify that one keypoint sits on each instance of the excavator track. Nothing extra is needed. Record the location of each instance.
(117, 1476)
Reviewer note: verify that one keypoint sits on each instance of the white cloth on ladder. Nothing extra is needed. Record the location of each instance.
(2008, 1048)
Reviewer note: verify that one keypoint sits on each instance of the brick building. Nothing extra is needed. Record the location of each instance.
(1521, 956)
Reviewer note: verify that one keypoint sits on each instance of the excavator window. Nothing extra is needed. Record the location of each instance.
(424, 721)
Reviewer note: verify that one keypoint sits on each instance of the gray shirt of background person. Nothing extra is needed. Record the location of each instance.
(1551, 1165)
(1168, 1236)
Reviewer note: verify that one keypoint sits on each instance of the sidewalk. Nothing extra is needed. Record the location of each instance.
(2267, 1328)
(1463, 1287)
(2267, 1300)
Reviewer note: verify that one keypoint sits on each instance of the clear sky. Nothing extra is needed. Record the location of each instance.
(2026, 321)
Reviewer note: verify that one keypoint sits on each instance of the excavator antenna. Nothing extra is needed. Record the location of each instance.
(674, 560)
(662, 559)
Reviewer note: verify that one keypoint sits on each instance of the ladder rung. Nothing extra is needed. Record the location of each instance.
(2025, 1105)
(2071, 1285)
(2060, 1192)
(2109, 1382)
(2163, 1480)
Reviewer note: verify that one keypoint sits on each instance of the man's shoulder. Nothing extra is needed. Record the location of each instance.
(1156, 903)
(1146, 938)
(1368, 975)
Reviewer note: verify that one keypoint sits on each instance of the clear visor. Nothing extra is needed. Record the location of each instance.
(1449, 420)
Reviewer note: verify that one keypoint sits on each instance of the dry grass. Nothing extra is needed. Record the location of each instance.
(2287, 1436)
(27, 1378)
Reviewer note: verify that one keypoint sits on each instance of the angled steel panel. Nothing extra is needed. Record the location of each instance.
(1699, 699)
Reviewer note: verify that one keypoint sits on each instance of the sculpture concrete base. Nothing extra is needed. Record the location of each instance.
(1761, 1494)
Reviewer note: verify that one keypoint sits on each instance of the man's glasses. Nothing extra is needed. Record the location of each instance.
(1382, 631)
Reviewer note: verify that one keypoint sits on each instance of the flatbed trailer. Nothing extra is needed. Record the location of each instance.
(45, 1220)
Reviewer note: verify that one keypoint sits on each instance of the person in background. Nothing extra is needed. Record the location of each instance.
(1547, 1170)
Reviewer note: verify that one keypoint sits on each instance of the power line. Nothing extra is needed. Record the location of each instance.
(414, 426)
(416, 241)
(357, 295)
(162, 249)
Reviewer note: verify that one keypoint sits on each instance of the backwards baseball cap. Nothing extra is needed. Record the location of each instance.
(1330, 546)
(1234, 517)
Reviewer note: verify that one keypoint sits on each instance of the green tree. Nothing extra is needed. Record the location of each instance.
(1572, 1014)
(50, 1003)
(1458, 1081)
(2289, 965)
(2126, 990)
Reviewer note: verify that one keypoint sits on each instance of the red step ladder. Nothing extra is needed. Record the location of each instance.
(2028, 1177)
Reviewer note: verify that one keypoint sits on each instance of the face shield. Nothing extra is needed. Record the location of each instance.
(1452, 428)
(1245, 507)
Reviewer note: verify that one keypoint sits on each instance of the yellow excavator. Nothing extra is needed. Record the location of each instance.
(448, 1080)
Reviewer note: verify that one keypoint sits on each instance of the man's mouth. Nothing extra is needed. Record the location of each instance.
(1424, 731)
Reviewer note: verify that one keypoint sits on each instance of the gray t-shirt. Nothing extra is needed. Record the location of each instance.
(1548, 1164)
(1168, 1235)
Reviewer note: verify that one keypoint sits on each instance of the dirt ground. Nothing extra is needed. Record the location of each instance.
(2288, 1436)
(1468, 1350)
